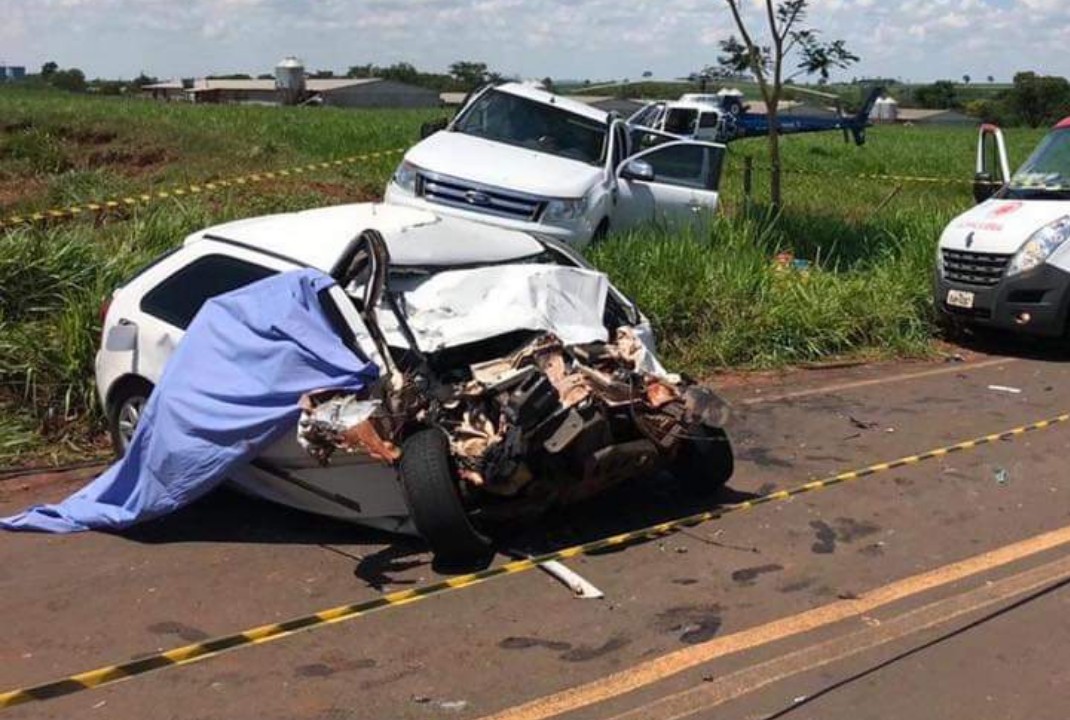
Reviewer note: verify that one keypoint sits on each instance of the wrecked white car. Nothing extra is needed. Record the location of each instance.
(512, 376)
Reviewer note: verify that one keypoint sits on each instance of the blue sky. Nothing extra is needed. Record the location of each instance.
(919, 40)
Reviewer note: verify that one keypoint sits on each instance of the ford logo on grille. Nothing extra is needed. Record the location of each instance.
(475, 197)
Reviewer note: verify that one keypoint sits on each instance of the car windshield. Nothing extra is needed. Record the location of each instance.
(1046, 174)
(514, 120)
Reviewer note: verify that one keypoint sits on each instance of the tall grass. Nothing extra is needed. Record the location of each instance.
(719, 299)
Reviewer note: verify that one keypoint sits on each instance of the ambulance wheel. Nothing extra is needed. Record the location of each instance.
(434, 502)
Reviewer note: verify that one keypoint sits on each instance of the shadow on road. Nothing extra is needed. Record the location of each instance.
(229, 516)
(1002, 343)
(226, 515)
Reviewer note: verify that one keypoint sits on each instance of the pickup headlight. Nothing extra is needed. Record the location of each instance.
(565, 210)
(1040, 246)
(405, 177)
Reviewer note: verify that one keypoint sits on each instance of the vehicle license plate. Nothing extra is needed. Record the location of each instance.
(960, 299)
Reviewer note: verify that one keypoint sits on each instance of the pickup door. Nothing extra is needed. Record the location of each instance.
(674, 183)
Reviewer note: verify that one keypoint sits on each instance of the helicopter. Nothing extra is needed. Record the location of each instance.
(724, 116)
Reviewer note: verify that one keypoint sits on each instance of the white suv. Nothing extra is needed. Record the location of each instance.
(526, 159)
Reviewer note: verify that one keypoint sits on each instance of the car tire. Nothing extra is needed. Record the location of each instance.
(705, 463)
(600, 232)
(431, 493)
(124, 410)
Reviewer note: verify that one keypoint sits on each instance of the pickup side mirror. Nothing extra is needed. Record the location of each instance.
(637, 170)
(984, 187)
(433, 126)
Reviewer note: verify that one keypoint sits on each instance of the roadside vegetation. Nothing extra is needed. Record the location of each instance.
(730, 297)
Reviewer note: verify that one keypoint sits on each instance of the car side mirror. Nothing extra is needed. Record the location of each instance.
(433, 126)
(984, 187)
(365, 263)
(637, 170)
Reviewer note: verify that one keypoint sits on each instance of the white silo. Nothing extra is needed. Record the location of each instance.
(290, 80)
(885, 111)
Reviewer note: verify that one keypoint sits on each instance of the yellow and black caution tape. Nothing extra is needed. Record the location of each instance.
(275, 631)
(92, 209)
(875, 176)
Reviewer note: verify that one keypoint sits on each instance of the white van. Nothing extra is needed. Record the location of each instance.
(1006, 262)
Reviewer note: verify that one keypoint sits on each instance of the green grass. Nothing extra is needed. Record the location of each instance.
(717, 299)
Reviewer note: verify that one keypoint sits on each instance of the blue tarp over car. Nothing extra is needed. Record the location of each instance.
(231, 388)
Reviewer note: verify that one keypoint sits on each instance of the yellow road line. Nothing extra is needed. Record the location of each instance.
(652, 671)
(755, 677)
(276, 631)
(858, 384)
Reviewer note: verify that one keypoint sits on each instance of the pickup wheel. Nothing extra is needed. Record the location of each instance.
(705, 464)
(124, 411)
(600, 232)
(431, 493)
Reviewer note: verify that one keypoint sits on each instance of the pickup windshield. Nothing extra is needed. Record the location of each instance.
(514, 120)
(1046, 174)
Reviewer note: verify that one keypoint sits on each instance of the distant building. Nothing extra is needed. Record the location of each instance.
(333, 92)
(916, 116)
(12, 73)
(170, 90)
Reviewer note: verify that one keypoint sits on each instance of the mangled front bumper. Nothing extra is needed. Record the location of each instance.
(547, 423)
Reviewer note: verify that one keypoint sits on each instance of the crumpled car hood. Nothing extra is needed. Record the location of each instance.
(458, 307)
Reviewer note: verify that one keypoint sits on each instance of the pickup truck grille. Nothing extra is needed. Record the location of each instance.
(445, 190)
(972, 268)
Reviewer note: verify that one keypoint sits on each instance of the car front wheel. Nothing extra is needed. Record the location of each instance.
(431, 492)
(706, 463)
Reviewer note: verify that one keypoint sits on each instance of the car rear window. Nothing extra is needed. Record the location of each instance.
(178, 298)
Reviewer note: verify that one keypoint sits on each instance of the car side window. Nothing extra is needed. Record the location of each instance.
(178, 298)
(687, 165)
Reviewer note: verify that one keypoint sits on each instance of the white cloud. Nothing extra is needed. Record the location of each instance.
(912, 39)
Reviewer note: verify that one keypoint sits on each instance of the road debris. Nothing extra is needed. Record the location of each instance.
(1002, 477)
(579, 585)
(1005, 389)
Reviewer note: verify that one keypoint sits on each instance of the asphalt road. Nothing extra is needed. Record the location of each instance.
(932, 590)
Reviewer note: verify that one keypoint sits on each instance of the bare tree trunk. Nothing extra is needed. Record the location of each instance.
(775, 193)
(770, 87)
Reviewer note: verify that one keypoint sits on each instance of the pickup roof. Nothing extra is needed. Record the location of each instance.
(523, 158)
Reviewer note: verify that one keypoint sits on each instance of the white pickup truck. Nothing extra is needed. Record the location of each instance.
(523, 158)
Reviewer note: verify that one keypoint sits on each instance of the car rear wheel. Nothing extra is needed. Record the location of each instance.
(434, 502)
(124, 414)
(705, 464)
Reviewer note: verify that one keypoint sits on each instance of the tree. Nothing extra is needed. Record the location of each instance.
(49, 69)
(470, 74)
(361, 71)
(1039, 99)
(71, 80)
(647, 74)
(143, 79)
(788, 42)
(991, 79)
(399, 72)
(940, 95)
(548, 83)
(965, 79)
